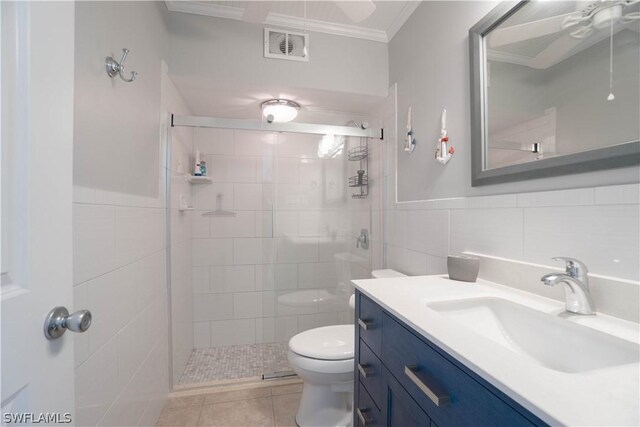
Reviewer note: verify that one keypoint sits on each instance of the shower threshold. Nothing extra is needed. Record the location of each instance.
(277, 375)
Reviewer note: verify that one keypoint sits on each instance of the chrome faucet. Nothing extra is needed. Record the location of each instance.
(362, 241)
(576, 281)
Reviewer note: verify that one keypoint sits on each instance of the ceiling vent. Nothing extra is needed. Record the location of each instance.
(283, 44)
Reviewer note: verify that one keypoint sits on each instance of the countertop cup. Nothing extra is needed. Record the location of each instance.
(463, 268)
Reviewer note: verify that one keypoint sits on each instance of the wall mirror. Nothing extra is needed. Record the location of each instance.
(555, 89)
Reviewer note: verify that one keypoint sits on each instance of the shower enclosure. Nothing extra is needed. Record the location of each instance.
(265, 245)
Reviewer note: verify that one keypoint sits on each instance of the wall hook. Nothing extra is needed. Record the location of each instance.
(115, 68)
(444, 151)
(409, 141)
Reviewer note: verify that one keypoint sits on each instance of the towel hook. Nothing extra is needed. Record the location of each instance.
(115, 68)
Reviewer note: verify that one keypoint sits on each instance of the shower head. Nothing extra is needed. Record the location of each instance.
(364, 125)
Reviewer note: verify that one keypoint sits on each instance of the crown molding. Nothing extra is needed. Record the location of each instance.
(511, 58)
(327, 27)
(228, 12)
(205, 9)
(405, 13)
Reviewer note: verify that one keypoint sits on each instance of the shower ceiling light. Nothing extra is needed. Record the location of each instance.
(280, 110)
(330, 146)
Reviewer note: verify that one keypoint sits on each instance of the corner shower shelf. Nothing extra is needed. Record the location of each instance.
(361, 180)
(358, 181)
(358, 153)
(200, 179)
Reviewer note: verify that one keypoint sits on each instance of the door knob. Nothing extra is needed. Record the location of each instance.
(59, 320)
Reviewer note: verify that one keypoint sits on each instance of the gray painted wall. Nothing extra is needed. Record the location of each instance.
(428, 59)
(229, 50)
(116, 135)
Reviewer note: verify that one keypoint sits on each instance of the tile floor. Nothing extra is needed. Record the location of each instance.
(268, 406)
(234, 362)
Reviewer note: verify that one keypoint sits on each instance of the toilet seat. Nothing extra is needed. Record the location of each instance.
(317, 366)
(328, 343)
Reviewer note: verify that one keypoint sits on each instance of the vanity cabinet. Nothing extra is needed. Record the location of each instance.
(404, 380)
(398, 406)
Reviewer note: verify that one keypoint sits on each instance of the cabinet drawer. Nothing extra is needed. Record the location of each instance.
(399, 408)
(369, 323)
(366, 413)
(369, 373)
(429, 377)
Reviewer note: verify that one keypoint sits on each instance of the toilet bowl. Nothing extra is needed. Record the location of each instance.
(323, 358)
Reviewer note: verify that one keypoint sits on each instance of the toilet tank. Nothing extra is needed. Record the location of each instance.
(386, 274)
(377, 274)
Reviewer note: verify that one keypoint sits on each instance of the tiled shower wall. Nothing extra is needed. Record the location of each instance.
(258, 276)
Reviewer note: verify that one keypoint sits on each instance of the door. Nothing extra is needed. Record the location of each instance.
(36, 85)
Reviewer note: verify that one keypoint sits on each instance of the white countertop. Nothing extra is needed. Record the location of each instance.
(602, 397)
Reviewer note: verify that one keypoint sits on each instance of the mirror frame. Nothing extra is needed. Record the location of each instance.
(615, 156)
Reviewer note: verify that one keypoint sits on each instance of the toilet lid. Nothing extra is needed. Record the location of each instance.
(325, 343)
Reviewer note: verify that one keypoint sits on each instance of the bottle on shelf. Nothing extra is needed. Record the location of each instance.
(197, 170)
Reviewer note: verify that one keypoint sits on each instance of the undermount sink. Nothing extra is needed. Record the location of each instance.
(549, 340)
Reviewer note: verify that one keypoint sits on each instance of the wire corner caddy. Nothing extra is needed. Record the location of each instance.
(360, 154)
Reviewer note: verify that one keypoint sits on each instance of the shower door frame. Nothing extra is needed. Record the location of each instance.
(237, 124)
(240, 124)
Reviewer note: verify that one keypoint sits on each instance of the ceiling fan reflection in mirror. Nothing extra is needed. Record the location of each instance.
(589, 18)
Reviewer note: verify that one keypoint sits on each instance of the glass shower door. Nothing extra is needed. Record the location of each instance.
(264, 247)
(317, 218)
(221, 251)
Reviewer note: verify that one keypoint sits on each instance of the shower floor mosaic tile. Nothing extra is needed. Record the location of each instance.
(234, 362)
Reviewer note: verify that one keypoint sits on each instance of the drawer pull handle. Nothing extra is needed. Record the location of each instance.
(365, 370)
(433, 392)
(364, 324)
(364, 419)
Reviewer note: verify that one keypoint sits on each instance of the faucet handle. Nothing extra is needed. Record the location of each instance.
(574, 268)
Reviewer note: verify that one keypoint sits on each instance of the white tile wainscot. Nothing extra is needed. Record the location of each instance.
(598, 225)
(121, 361)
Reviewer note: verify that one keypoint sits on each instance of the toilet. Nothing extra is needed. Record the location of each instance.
(323, 358)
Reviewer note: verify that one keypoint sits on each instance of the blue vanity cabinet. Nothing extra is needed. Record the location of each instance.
(398, 406)
(369, 324)
(368, 390)
(367, 414)
(412, 382)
